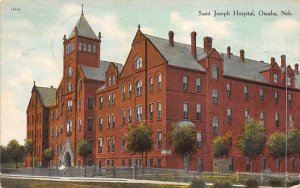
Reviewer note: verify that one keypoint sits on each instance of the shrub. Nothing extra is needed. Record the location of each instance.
(197, 183)
(294, 182)
(222, 185)
(251, 183)
(275, 182)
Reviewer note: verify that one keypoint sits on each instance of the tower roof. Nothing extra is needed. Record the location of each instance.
(83, 28)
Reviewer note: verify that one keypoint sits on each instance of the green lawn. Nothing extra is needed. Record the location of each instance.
(11, 165)
(24, 183)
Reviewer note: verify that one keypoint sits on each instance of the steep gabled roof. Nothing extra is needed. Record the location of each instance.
(83, 28)
(179, 55)
(47, 95)
(93, 73)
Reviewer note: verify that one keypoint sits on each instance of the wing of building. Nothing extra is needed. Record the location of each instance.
(163, 83)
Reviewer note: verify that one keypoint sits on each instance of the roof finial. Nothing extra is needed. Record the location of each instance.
(99, 36)
(82, 9)
(33, 82)
(139, 27)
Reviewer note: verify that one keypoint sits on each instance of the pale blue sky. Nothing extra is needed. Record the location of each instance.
(31, 39)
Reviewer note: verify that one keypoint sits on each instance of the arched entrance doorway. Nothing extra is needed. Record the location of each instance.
(67, 159)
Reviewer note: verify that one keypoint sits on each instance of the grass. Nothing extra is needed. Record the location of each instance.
(26, 183)
(11, 165)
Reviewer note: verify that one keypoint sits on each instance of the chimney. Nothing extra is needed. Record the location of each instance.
(207, 41)
(242, 55)
(297, 68)
(283, 64)
(51, 86)
(193, 44)
(171, 38)
(272, 61)
(228, 51)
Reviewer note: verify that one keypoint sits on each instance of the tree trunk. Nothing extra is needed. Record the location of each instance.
(142, 158)
(16, 160)
(146, 162)
(84, 167)
(186, 162)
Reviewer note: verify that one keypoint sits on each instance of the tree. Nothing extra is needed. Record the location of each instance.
(5, 158)
(28, 146)
(221, 147)
(48, 155)
(15, 151)
(84, 148)
(139, 139)
(183, 142)
(293, 141)
(252, 140)
(276, 145)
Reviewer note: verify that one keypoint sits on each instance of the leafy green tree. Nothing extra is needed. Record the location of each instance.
(48, 155)
(28, 146)
(15, 151)
(293, 141)
(252, 140)
(139, 139)
(221, 147)
(84, 149)
(5, 158)
(276, 145)
(183, 141)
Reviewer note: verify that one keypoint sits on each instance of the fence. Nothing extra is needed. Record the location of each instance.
(160, 174)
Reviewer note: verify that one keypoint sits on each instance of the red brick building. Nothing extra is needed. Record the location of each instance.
(163, 83)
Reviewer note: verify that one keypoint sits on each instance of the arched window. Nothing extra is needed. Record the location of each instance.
(112, 144)
(138, 87)
(108, 144)
(159, 81)
(215, 96)
(129, 89)
(70, 71)
(214, 72)
(100, 143)
(138, 63)
(216, 124)
(150, 83)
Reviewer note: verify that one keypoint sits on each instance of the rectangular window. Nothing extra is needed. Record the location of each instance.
(264, 164)
(228, 90)
(129, 162)
(159, 81)
(185, 83)
(123, 92)
(90, 124)
(278, 163)
(151, 111)
(56, 131)
(138, 113)
(79, 103)
(275, 78)
(100, 145)
(290, 99)
(247, 164)
(69, 126)
(246, 115)
(276, 96)
(277, 119)
(90, 103)
(79, 84)
(261, 95)
(159, 140)
(100, 123)
(158, 110)
(293, 164)
(229, 115)
(113, 97)
(289, 81)
(246, 92)
(123, 116)
(215, 96)
(150, 84)
(108, 122)
(69, 106)
(199, 112)
(291, 120)
(185, 111)
(159, 162)
(79, 124)
(113, 121)
(123, 144)
(107, 162)
(108, 99)
(230, 164)
(261, 116)
(129, 115)
(200, 165)
(100, 102)
(199, 140)
(198, 85)
(122, 162)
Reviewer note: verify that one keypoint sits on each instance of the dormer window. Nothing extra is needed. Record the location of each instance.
(214, 72)
(70, 71)
(138, 63)
(275, 78)
(113, 79)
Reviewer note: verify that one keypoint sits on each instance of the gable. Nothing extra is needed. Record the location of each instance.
(214, 54)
